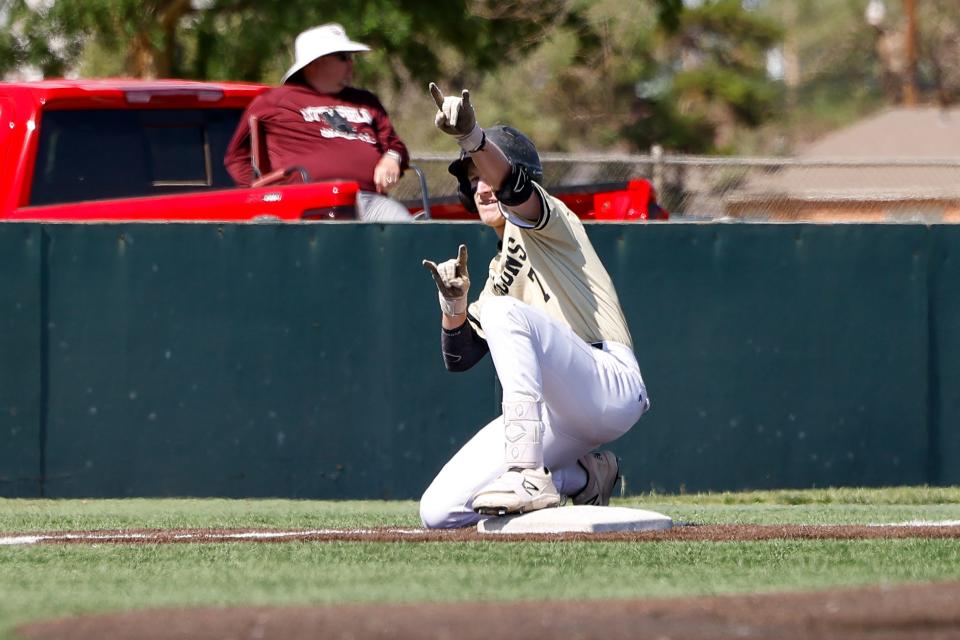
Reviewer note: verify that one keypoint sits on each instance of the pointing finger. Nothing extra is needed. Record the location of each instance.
(465, 96)
(462, 257)
(437, 94)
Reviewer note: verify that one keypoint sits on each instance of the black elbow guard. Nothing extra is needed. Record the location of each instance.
(517, 186)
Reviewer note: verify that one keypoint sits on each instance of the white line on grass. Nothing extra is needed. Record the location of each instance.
(20, 540)
(199, 535)
(919, 523)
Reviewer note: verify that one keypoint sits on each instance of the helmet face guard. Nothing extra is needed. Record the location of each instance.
(519, 150)
(465, 190)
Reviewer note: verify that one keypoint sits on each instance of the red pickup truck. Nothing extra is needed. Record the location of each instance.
(95, 150)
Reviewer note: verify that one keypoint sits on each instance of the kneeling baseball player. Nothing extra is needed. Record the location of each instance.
(550, 318)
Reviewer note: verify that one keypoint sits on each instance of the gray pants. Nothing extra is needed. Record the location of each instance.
(374, 207)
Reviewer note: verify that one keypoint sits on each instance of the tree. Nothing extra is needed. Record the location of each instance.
(716, 63)
(939, 50)
(846, 61)
(27, 40)
(462, 43)
(239, 39)
(606, 77)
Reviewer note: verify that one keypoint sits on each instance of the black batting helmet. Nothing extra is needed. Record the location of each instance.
(519, 150)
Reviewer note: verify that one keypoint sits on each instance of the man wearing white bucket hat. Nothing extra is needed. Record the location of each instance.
(317, 121)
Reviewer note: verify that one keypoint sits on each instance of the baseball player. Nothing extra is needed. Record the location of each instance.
(550, 318)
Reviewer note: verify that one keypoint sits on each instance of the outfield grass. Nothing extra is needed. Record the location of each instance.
(51, 581)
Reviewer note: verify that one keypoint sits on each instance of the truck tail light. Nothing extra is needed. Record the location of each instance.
(143, 96)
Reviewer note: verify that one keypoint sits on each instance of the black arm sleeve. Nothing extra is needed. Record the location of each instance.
(461, 347)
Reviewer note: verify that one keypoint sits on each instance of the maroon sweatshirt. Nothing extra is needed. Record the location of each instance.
(338, 136)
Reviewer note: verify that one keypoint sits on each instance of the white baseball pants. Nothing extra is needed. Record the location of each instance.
(590, 396)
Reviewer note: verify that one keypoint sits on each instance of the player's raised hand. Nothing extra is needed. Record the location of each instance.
(456, 117)
(453, 282)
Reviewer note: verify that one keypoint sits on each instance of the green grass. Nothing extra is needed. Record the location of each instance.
(816, 506)
(881, 496)
(42, 582)
(139, 513)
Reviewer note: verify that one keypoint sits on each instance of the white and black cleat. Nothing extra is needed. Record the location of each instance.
(517, 491)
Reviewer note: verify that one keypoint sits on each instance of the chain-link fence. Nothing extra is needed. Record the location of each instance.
(761, 189)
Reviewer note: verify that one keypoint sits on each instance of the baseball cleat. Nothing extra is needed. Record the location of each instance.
(603, 471)
(517, 491)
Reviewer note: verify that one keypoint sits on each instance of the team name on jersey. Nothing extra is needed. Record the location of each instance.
(514, 260)
(513, 263)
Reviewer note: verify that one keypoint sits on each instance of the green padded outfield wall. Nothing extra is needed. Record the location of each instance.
(21, 360)
(944, 331)
(303, 360)
(250, 360)
(778, 356)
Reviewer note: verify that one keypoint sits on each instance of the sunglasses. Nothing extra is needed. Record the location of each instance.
(343, 56)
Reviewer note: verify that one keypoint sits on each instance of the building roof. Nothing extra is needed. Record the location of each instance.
(897, 154)
(921, 132)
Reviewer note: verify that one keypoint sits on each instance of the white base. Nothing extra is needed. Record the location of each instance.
(577, 519)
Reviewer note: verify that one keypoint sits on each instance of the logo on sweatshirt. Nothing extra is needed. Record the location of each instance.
(340, 121)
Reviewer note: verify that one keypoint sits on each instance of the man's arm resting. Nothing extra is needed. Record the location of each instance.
(462, 347)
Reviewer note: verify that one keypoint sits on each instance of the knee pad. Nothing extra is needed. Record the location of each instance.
(522, 434)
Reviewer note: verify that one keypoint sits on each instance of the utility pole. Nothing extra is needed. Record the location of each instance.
(910, 44)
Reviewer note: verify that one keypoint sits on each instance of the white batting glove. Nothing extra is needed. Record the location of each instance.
(456, 117)
(453, 282)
